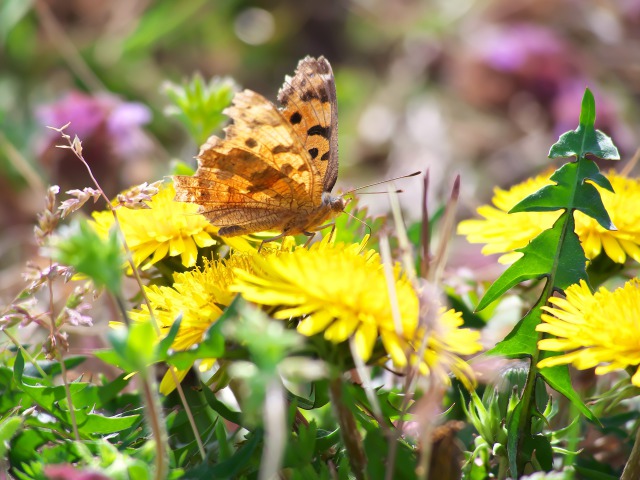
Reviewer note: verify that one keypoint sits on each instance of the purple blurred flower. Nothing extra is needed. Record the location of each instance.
(111, 135)
(98, 115)
(509, 47)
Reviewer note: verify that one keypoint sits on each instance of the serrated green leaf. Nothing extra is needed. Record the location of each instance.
(522, 341)
(572, 191)
(54, 401)
(558, 378)
(556, 250)
(585, 139)
(94, 424)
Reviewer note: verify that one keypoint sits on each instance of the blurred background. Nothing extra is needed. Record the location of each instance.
(479, 88)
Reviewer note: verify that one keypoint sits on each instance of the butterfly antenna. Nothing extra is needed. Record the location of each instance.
(379, 183)
(363, 223)
(378, 193)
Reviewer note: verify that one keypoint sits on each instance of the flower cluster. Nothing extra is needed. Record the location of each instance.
(337, 290)
(340, 291)
(503, 232)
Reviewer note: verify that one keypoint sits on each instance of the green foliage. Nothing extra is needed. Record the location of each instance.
(199, 105)
(79, 246)
(557, 256)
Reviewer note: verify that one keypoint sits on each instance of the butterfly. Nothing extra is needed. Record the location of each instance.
(275, 168)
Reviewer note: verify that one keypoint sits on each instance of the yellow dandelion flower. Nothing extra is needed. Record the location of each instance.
(342, 292)
(596, 330)
(200, 296)
(503, 232)
(446, 341)
(625, 215)
(166, 228)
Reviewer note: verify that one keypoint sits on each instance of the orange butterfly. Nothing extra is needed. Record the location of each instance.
(275, 168)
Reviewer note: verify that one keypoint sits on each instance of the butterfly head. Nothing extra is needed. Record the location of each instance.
(336, 203)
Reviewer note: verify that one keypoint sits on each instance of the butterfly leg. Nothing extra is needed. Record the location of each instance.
(333, 229)
(277, 237)
(310, 235)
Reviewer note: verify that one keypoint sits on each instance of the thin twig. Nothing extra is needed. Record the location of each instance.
(69, 51)
(22, 165)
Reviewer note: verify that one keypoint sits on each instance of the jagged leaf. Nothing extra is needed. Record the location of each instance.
(556, 250)
(572, 191)
(585, 139)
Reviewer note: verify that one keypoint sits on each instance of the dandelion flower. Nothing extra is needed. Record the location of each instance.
(166, 228)
(445, 342)
(342, 292)
(200, 296)
(503, 232)
(625, 215)
(595, 330)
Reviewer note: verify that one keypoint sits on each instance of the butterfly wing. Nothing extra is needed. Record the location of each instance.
(258, 176)
(310, 105)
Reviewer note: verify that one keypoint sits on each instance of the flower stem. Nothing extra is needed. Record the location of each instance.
(348, 430)
(632, 468)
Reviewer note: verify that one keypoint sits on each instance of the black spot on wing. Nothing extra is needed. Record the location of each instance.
(295, 118)
(307, 95)
(313, 152)
(250, 142)
(325, 156)
(320, 130)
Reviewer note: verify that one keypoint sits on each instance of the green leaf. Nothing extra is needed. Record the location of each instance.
(80, 246)
(54, 401)
(522, 341)
(51, 367)
(11, 13)
(211, 346)
(164, 344)
(585, 139)
(232, 467)
(542, 447)
(221, 408)
(134, 346)
(8, 428)
(556, 250)
(572, 191)
(200, 105)
(558, 378)
(513, 429)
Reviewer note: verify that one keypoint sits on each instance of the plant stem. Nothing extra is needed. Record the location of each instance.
(348, 430)
(632, 468)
